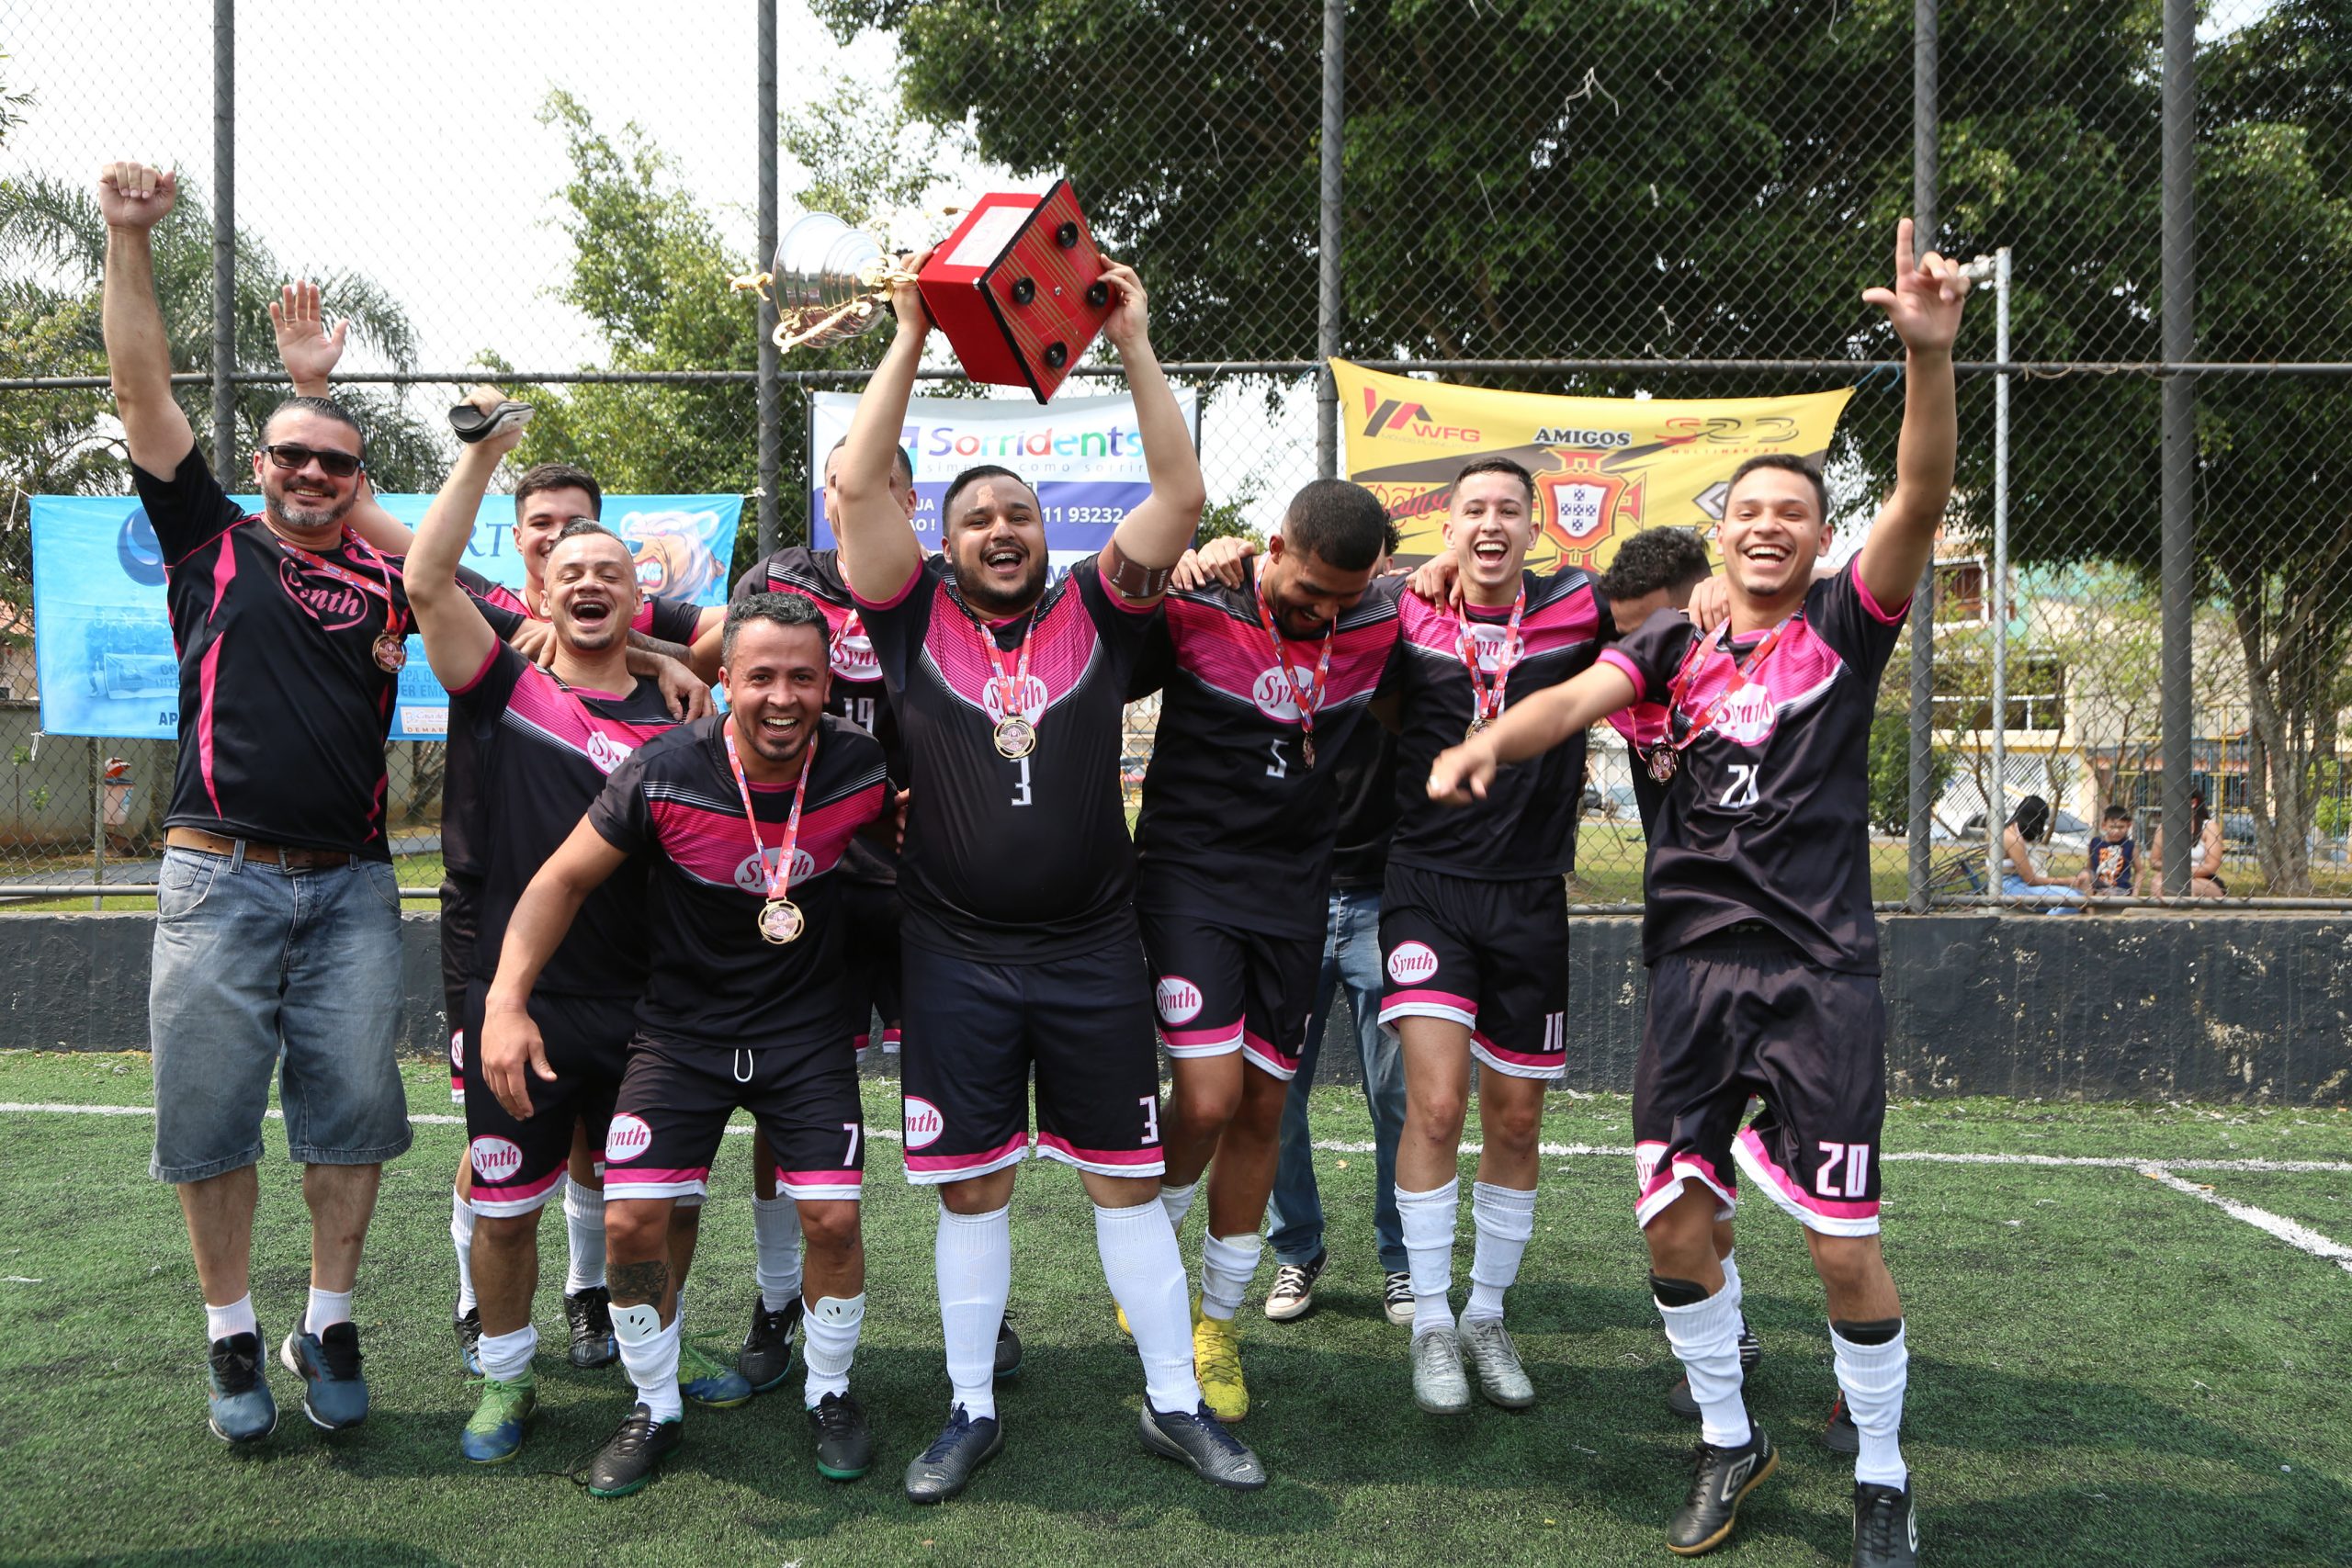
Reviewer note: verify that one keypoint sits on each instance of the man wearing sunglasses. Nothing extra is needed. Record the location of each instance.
(277, 929)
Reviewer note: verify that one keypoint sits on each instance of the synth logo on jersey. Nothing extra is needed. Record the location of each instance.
(1748, 715)
(1030, 692)
(1489, 641)
(853, 658)
(496, 1159)
(753, 872)
(1411, 960)
(1178, 998)
(1273, 696)
(607, 752)
(924, 1123)
(625, 1138)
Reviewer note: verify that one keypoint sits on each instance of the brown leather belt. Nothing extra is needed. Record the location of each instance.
(284, 856)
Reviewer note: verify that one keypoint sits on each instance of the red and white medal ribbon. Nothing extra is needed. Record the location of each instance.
(780, 920)
(1682, 731)
(1307, 699)
(390, 649)
(1015, 736)
(1486, 701)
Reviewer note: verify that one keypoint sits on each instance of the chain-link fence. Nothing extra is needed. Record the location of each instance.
(1608, 198)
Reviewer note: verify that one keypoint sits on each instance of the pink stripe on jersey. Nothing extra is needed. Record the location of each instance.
(1061, 645)
(952, 1163)
(488, 659)
(223, 574)
(1831, 1208)
(894, 600)
(1797, 667)
(1060, 1145)
(1236, 658)
(1642, 724)
(1870, 601)
(715, 846)
(1633, 672)
(541, 701)
(1564, 622)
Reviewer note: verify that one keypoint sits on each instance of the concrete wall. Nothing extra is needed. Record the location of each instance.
(2250, 1007)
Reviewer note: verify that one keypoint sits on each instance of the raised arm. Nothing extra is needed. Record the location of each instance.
(309, 350)
(542, 917)
(133, 199)
(879, 553)
(1924, 306)
(457, 640)
(1529, 729)
(1155, 534)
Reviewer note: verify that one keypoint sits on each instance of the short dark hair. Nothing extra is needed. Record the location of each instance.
(582, 528)
(1338, 523)
(559, 476)
(973, 476)
(1787, 463)
(1497, 465)
(2116, 812)
(778, 609)
(1654, 558)
(325, 408)
(901, 464)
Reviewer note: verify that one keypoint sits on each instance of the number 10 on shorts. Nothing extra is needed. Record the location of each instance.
(1851, 1162)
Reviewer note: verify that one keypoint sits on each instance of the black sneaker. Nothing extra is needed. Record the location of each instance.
(590, 1313)
(468, 1324)
(1886, 1528)
(1722, 1477)
(947, 1466)
(1199, 1440)
(766, 1359)
(241, 1410)
(1751, 1356)
(1838, 1434)
(334, 1391)
(1292, 1295)
(844, 1449)
(1008, 1350)
(626, 1462)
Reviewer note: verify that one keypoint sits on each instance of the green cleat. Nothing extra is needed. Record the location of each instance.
(710, 1382)
(496, 1433)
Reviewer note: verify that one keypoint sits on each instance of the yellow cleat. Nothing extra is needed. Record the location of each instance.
(1216, 1361)
(1130, 1333)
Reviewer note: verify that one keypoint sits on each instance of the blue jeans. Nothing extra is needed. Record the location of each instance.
(259, 971)
(1351, 958)
(2065, 899)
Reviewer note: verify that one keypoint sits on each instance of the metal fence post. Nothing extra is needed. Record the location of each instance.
(2178, 492)
(1996, 804)
(97, 824)
(224, 234)
(1330, 238)
(771, 433)
(1923, 603)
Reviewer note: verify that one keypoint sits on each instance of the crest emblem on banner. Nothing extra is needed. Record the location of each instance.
(1584, 506)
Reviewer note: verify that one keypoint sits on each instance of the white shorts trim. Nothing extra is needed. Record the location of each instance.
(1389, 1015)
(827, 1193)
(1216, 1048)
(1515, 1069)
(1267, 1064)
(1154, 1167)
(620, 1189)
(1826, 1224)
(1010, 1156)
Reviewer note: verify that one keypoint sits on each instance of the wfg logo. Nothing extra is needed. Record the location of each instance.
(924, 1123)
(1178, 998)
(1385, 415)
(627, 1138)
(607, 752)
(1411, 960)
(1748, 715)
(1273, 696)
(751, 874)
(496, 1159)
(1029, 692)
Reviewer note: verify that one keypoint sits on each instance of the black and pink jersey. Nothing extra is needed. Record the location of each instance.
(1522, 827)
(714, 982)
(1642, 725)
(1235, 824)
(859, 694)
(1012, 860)
(540, 752)
(1768, 815)
(284, 709)
(671, 620)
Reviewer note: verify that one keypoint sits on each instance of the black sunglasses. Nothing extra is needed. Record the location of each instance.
(334, 465)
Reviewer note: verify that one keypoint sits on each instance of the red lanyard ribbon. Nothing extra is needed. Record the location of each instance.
(393, 620)
(1680, 732)
(1486, 701)
(779, 881)
(1307, 698)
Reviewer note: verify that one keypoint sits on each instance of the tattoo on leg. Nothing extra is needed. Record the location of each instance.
(640, 1285)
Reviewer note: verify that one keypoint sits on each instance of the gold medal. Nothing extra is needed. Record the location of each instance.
(780, 921)
(1662, 761)
(391, 653)
(1015, 736)
(1306, 751)
(1477, 725)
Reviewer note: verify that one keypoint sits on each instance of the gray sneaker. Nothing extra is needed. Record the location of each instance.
(1486, 1346)
(1439, 1386)
(1199, 1442)
(335, 1395)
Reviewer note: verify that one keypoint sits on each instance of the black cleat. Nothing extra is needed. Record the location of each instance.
(1886, 1528)
(627, 1461)
(468, 1324)
(766, 1359)
(590, 1313)
(1723, 1477)
(1199, 1440)
(1751, 1356)
(1008, 1351)
(1838, 1434)
(947, 1466)
(844, 1448)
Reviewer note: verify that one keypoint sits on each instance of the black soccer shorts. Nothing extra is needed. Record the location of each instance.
(675, 1100)
(973, 1031)
(871, 910)
(517, 1164)
(1743, 1013)
(1219, 989)
(1492, 956)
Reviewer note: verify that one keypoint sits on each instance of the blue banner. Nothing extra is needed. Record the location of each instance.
(102, 638)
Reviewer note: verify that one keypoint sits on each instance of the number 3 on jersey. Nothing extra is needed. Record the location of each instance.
(1741, 793)
(1021, 796)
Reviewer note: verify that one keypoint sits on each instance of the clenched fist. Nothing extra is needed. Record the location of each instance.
(136, 196)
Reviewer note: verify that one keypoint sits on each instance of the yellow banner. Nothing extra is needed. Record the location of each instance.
(1604, 467)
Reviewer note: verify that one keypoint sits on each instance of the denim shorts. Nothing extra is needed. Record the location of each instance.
(255, 965)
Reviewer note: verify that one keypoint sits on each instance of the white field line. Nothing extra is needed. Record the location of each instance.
(2301, 1237)
(1550, 1151)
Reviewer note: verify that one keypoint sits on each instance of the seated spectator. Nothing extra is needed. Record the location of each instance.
(2114, 856)
(2204, 859)
(2025, 858)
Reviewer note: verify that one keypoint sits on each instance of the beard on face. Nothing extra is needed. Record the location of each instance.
(981, 593)
(305, 514)
(771, 748)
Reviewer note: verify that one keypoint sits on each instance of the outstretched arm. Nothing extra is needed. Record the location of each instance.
(309, 350)
(1924, 306)
(879, 553)
(457, 640)
(581, 865)
(1154, 534)
(1529, 729)
(133, 199)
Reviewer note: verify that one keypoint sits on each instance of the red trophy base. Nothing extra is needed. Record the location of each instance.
(1018, 289)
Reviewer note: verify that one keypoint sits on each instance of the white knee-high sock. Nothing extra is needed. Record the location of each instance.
(507, 1356)
(1227, 1262)
(974, 1258)
(775, 1232)
(1426, 1219)
(583, 1227)
(649, 1356)
(1177, 1202)
(829, 1341)
(1147, 1277)
(461, 1236)
(1872, 1378)
(1705, 1337)
(1505, 1218)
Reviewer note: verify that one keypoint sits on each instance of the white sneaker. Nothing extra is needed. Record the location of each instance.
(1439, 1386)
(1293, 1293)
(1487, 1347)
(1397, 1298)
